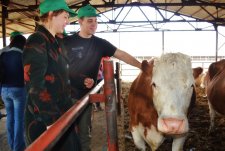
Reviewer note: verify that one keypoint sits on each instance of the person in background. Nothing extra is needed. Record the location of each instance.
(46, 76)
(85, 51)
(97, 105)
(13, 92)
(12, 35)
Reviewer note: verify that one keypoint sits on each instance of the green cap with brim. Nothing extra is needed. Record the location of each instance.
(15, 33)
(87, 11)
(54, 5)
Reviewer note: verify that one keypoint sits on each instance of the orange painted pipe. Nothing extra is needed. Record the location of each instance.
(50, 137)
(110, 106)
(93, 98)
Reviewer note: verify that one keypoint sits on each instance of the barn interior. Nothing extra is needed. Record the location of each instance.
(22, 15)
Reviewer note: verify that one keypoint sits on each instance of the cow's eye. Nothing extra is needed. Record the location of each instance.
(153, 84)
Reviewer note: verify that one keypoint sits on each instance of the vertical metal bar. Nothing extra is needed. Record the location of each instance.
(216, 29)
(118, 86)
(110, 106)
(163, 44)
(4, 16)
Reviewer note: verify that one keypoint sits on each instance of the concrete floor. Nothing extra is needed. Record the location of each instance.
(3, 136)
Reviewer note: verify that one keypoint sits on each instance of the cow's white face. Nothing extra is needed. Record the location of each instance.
(172, 84)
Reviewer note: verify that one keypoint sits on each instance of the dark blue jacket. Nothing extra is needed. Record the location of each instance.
(13, 68)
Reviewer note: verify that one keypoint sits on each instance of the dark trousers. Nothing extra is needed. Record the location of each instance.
(84, 125)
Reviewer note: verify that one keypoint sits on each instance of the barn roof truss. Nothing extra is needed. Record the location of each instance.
(22, 15)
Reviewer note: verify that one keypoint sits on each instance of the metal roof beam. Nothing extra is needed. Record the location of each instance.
(112, 4)
(120, 12)
(207, 12)
(124, 17)
(147, 18)
(4, 4)
(153, 21)
(157, 9)
(155, 4)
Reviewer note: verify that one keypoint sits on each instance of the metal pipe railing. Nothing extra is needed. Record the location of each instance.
(50, 137)
(110, 106)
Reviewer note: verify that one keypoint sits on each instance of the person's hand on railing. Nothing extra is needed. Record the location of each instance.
(88, 82)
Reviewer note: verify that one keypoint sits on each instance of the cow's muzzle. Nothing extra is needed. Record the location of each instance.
(172, 126)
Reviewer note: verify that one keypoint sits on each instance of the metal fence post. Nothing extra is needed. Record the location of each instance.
(110, 106)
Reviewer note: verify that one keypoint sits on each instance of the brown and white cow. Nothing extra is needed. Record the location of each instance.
(159, 101)
(198, 76)
(203, 82)
(198, 72)
(200, 79)
(203, 79)
(215, 89)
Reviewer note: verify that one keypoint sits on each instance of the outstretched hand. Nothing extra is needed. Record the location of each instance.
(88, 82)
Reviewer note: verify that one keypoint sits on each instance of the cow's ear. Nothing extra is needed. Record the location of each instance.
(147, 66)
(197, 71)
(144, 65)
(151, 62)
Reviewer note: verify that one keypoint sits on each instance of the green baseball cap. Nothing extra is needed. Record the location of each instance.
(87, 11)
(54, 5)
(15, 33)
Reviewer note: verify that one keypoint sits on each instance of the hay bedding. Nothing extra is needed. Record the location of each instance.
(198, 138)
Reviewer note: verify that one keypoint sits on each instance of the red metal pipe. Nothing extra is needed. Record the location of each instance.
(97, 98)
(50, 137)
(110, 105)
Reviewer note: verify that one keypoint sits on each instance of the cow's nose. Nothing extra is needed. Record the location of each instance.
(172, 126)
